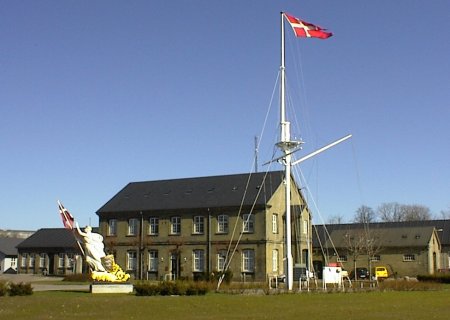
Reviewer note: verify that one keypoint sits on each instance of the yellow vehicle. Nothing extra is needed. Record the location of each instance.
(380, 273)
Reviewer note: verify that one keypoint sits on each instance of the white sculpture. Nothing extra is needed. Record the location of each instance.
(103, 267)
(94, 248)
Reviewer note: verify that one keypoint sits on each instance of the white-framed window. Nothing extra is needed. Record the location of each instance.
(376, 257)
(305, 226)
(222, 223)
(13, 263)
(248, 223)
(248, 260)
(23, 261)
(274, 260)
(131, 260)
(112, 227)
(221, 256)
(153, 226)
(42, 258)
(70, 260)
(198, 260)
(409, 257)
(342, 258)
(199, 225)
(31, 260)
(133, 226)
(275, 223)
(175, 225)
(61, 260)
(153, 261)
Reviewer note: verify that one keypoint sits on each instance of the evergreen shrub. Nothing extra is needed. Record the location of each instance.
(439, 278)
(20, 289)
(169, 288)
(147, 289)
(3, 288)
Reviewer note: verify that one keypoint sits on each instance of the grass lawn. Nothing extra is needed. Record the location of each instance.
(365, 305)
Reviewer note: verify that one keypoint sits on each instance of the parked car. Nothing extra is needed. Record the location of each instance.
(360, 274)
(380, 273)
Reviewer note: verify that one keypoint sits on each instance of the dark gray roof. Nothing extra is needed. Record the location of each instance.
(8, 245)
(385, 237)
(190, 193)
(49, 238)
(442, 227)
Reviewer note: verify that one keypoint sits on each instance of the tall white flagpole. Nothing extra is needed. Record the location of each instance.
(286, 146)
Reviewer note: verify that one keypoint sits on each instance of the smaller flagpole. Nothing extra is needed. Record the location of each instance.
(78, 243)
(63, 211)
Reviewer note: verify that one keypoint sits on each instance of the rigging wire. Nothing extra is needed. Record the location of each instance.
(258, 145)
(301, 93)
(230, 252)
(297, 61)
(305, 183)
(305, 130)
(303, 98)
(233, 251)
(268, 109)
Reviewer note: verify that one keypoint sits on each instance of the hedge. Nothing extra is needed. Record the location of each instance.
(15, 289)
(170, 288)
(439, 278)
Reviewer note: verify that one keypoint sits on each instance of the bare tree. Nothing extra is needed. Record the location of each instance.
(395, 212)
(390, 212)
(415, 212)
(362, 242)
(445, 214)
(372, 246)
(336, 219)
(364, 214)
(355, 242)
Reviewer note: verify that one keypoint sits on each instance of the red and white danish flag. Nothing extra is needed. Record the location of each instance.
(67, 219)
(305, 29)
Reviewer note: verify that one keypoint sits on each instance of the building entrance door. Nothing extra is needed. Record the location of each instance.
(51, 264)
(175, 265)
(434, 263)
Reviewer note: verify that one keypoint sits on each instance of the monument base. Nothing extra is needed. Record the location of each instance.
(111, 288)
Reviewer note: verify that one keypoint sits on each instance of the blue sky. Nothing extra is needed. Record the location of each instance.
(96, 94)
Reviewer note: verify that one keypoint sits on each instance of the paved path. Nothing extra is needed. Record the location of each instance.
(17, 278)
(39, 282)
